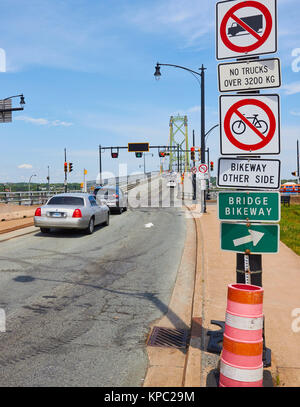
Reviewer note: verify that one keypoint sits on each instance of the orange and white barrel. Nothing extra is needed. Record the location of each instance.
(244, 313)
(241, 360)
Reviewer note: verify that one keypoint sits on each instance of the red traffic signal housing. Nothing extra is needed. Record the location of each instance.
(65, 167)
(211, 165)
(193, 153)
(114, 154)
(161, 153)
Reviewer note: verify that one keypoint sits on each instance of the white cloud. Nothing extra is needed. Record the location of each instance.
(294, 113)
(189, 21)
(291, 88)
(43, 122)
(25, 166)
(60, 123)
(194, 109)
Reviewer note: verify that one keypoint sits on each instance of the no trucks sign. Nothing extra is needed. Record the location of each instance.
(249, 75)
(246, 28)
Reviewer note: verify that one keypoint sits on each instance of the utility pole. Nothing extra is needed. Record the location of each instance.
(194, 175)
(298, 162)
(84, 181)
(100, 165)
(66, 172)
(48, 179)
(202, 71)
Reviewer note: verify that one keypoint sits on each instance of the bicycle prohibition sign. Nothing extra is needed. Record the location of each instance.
(249, 125)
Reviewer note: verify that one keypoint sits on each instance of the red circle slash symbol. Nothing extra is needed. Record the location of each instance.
(261, 39)
(203, 168)
(265, 138)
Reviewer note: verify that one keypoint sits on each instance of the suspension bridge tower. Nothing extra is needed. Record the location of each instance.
(179, 156)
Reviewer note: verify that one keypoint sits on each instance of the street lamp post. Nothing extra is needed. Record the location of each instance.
(157, 75)
(14, 109)
(208, 163)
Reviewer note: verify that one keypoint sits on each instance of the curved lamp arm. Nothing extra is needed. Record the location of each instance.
(207, 134)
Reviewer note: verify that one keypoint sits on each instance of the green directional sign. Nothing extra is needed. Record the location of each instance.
(249, 206)
(256, 238)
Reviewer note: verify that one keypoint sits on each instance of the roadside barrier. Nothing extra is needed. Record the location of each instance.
(241, 362)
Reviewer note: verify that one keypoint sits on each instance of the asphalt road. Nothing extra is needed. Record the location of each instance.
(78, 307)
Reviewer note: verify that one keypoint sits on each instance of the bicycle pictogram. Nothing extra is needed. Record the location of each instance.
(239, 127)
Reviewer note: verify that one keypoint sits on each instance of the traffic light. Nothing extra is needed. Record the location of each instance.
(139, 154)
(199, 154)
(114, 154)
(65, 167)
(211, 165)
(70, 167)
(161, 153)
(193, 153)
(294, 173)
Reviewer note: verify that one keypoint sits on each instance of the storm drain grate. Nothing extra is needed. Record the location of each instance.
(167, 337)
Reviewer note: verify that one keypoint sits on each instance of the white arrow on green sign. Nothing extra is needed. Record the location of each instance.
(249, 206)
(255, 238)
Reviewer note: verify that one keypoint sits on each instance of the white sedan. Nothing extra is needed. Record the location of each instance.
(71, 211)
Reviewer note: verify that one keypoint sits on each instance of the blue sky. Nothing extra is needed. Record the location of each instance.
(86, 70)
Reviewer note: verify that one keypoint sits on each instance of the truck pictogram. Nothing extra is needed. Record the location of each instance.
(254, 22)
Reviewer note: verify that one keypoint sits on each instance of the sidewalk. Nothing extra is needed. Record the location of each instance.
(214, 270)
(281, 283)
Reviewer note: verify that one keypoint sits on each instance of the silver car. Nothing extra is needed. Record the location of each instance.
(113, 197)
(71, 211)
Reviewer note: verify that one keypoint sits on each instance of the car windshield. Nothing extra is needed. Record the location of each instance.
(66, 200)
(104, 193)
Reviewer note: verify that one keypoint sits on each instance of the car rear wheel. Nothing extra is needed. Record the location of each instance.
(91, 226)
(45, 230)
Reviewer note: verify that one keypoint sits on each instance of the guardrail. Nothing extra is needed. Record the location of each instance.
(28, 198)
(41, 197)
(125, 182)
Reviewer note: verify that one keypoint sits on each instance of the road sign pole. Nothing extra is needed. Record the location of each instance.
(253, 267)
(66, 176)
(194, 175)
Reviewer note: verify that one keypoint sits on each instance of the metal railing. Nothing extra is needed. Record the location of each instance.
(41, 197)
(126, 182)
(28, 198)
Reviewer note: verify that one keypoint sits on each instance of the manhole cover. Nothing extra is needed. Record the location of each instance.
(168, 337)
